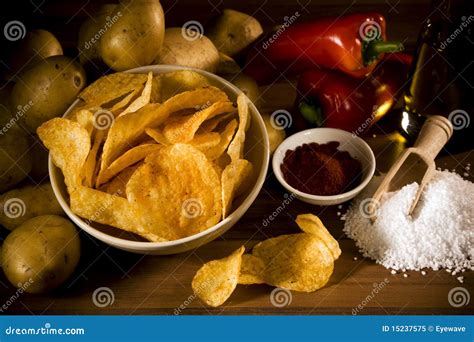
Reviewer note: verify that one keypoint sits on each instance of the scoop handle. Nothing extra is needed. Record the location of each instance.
(434, 134)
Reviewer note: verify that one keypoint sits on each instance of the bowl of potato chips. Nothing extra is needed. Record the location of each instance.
(157, 160)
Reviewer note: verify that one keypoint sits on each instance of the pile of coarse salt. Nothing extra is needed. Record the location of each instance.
(440, 233)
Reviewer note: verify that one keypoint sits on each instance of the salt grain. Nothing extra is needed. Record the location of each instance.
(393, 272)
(439, 234)
(460, 279)
(423, 273)
(405, 275)
(355, 258)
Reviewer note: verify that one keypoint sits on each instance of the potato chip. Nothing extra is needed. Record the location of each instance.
(299, 262)
(143, 99)
(236, 147)
(211, 124)
(157, 136)
(234, 177)
(182, 129)
(126, 100)
(118, 184)
(178, 192)
(176, 82)
(127, 129)
(206, 141)
(69, 145)
(127, 159)
(112, 210)
(111, 87)
(251, 271)
(90, 166)
(215, 281)
(311, 224)
(85, 118)
(225, 138)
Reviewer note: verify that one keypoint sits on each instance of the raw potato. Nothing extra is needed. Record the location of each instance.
(136, 37)
(233, 31)
(41, 254)
(173, 83)
(275, 134)
(227, 65)
(89, 35)
(15, 156)
(195, 52)
(47, 89)
(36, 46)
(20, 205)
(247, 84)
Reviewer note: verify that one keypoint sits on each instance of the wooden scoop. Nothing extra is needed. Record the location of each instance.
(416, 164)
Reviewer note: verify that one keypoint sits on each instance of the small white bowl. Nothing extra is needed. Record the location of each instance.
(349, 142)
(257, 151)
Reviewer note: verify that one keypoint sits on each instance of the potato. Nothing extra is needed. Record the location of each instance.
(176, 82)
(136, 37)
(20, 205)
(36, 46)
(90, 33)
(41, 253)
(47, 89)
(197, 52)
(227, 65)
(247, 84)
(233, 31)
(275, 134)
(15, 157)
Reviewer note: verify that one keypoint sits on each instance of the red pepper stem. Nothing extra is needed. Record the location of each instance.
(376, 47)
(311, 112)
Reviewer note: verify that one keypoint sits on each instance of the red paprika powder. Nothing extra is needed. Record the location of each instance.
(321, 169)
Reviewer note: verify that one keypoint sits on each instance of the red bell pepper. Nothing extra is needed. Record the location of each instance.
(332, 99)
(352, 44)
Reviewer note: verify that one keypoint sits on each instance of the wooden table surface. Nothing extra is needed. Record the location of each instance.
(162, 284)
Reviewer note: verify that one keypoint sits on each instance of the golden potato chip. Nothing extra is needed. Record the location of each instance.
(126, 100)
(118, 184)
(299, 262)
(311, 224)
(173, 83)
(69, 144)
(236, 147)
(90, 166)
(127, 129)
(143, 99)
(85, 118)
(111, 87)
(211, 124)
(157, 135)
(224, 141)
(251, 271)
(205, 141)
(215, 281)
(234, 177)
(178, 191)
(182, 129)
(127, 159)
(112, 210)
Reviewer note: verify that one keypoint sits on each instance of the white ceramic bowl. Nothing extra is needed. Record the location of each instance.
(357, 148)
(256, 151)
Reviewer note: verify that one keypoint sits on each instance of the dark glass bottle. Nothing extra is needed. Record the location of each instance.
(442, 75)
